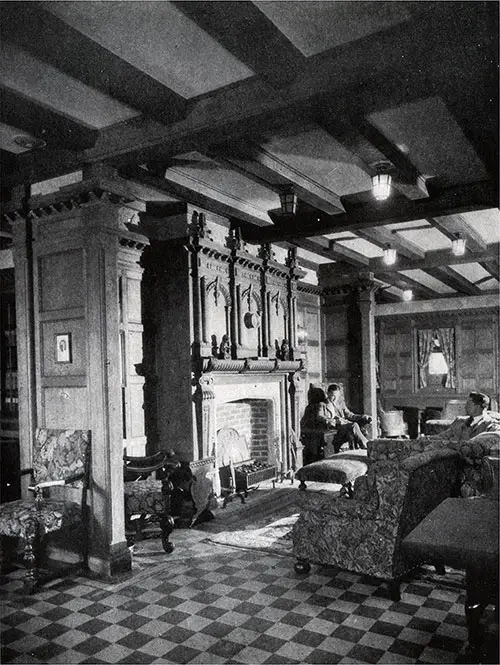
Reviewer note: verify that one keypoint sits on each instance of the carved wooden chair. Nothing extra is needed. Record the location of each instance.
(147, 497)
(60, 473)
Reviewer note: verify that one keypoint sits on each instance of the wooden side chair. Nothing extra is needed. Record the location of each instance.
(60, 475)
(148, 491)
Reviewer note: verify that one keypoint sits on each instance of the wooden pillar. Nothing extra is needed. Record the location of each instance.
(83, 241)
(25, 335)
(366, 296)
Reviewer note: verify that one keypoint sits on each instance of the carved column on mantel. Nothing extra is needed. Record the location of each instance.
(295, 273)
(298, 406)
(274, 289)
(205, 404)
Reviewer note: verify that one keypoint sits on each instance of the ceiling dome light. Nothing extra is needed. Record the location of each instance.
(458, 245)
(29, 142)
(390, 255)
(382, 181)
(407, 294)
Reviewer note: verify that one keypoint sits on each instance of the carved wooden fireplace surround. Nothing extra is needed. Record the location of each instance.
(220, 326)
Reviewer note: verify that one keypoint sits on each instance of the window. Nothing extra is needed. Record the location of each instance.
(438, 367)
(436, 357)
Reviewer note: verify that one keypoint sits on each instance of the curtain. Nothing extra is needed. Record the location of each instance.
(425, 343)
(446, 337)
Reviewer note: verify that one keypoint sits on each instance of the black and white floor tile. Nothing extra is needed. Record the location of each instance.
(209, 603)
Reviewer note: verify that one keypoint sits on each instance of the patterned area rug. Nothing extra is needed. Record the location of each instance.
(275, 537)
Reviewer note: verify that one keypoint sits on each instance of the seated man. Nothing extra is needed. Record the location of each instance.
(475, 422)
(344, 421)
(473, 436)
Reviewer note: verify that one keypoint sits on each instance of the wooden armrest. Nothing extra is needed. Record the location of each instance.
(45, 484)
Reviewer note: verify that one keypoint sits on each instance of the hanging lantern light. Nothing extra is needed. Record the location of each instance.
(382, 181)
(407, 294)
(288, 201)
(390, 255)
(458, 245)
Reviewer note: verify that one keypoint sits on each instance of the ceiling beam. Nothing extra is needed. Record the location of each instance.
(55, 129)
(460, 198)
(145, 177)
(404, 282)
(250, 36)
(409, 250)
(452, 224)
(256, 162)
(492, 266)
(382, 237)
(435, 259)
(390, 80)
(368, 146)
(454, 280)
(53, 41)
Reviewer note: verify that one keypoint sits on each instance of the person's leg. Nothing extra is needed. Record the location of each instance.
(340, 438)
(358, 437)
(343, 435)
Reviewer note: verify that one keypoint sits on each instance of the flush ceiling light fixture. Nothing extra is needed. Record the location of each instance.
(382, 180)
(288, 201)
(407, 294)
(458, 245)
(29, 142)
(390, 255)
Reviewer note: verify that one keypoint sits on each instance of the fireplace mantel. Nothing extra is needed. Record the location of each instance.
(252, 365)
(221, 327)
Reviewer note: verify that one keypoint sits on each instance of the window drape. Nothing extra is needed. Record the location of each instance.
(425, 343)
(446, 337)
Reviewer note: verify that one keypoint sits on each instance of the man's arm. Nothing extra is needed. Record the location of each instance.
(454, 431)
(356, 417)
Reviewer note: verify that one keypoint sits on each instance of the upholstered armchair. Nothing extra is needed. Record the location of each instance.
(60, 475)
(364, 533)
(473, 454)
(452, 409)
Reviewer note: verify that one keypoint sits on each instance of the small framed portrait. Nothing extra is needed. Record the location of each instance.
(63, 347)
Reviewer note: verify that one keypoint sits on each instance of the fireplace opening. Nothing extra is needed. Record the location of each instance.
(252, 418)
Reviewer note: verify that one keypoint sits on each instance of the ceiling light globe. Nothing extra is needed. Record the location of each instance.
(390, 255)
(381, 186)
(407, 294)
(458, 245)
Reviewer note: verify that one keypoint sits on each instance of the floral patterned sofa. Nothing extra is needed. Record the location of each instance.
(404, 483)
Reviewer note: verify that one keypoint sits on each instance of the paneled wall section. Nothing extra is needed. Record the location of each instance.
(477, 357)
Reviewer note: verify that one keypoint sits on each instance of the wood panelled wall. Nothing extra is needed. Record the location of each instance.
(476, 348)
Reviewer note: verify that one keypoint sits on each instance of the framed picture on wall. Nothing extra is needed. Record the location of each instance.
(63, 347)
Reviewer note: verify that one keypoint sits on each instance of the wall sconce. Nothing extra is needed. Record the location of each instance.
(288, 201)
(407, 294)
(301, 336)
(390, 255)
(458, 245)
(381, 181)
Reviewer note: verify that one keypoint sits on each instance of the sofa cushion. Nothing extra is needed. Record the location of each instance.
(335, 470)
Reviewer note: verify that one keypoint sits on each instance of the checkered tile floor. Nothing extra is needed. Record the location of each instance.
(216, 604)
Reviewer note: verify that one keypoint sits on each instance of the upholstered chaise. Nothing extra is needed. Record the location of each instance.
(364, 533)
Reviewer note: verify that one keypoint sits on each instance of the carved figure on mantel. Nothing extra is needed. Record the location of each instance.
(225, 348)
(215, 346)
(285, 350)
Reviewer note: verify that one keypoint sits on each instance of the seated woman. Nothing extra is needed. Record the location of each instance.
(316, 426)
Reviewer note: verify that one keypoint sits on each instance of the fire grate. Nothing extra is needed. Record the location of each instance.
(250, 474)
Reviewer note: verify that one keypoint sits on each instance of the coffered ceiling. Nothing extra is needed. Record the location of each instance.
(224, 103)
